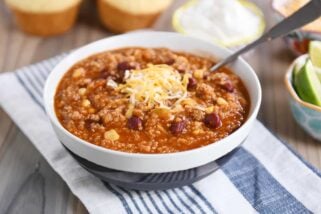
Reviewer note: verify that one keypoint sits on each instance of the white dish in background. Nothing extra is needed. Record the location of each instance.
(152, 163)
(231, 24)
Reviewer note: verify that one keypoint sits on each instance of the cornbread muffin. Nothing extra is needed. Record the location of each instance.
(44, 17)
(125, 15)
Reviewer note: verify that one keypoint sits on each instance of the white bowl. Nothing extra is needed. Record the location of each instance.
(152, 163)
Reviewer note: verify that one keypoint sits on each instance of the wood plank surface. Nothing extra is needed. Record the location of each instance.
(29, 185)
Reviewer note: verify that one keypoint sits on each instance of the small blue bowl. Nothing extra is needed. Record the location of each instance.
(307, 115)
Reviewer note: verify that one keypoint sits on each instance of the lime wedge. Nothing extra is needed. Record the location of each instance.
(315, 56)
(315, 53)
(308, 85)
(298, 66)
(318, 72)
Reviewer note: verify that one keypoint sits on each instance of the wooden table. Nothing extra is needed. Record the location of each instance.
(29, 185)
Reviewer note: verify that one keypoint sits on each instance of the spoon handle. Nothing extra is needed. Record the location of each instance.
(303, 16)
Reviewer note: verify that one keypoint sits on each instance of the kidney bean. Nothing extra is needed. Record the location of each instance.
(88, 123)
(180, 70)
(135, 123)
(104, 73)
(170, 61)
(177, 127)
(123, 66)
(191, 83)
(212, 120)
(228, 86)
(119, 77)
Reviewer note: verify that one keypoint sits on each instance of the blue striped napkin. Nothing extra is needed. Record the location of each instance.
(263, 176)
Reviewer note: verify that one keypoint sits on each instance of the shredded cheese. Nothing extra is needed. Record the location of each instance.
(111, 83)
(156, 85)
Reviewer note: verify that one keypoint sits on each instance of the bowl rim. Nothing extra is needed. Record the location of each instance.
(53, 117)
(290, 88)
(274, 8)
(177, 26)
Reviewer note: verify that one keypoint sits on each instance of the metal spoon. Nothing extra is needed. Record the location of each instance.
(303, 16)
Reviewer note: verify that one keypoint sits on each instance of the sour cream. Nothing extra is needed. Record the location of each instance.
(226, 22)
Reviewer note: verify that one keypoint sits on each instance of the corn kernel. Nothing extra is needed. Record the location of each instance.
(189, 102)
(111, 135)
(82, 91)
(129, 111)
(162, 113)
(198, 131)
(78, 72)
(198, 74)
(209, 109)
(91, 110)
(86, 103)
(221, 101)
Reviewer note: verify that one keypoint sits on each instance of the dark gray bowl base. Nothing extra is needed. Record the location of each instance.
(147, 181)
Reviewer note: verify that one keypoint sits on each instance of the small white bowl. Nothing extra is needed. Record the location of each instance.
(152, 163)
(307, 115)
(178, 17)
